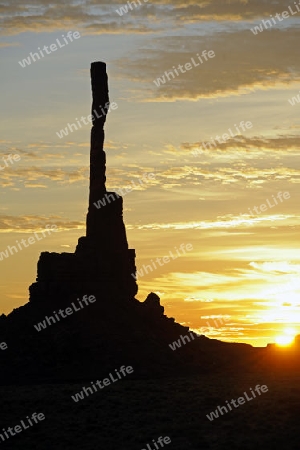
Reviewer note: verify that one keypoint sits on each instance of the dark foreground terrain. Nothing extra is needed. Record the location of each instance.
(131, 413)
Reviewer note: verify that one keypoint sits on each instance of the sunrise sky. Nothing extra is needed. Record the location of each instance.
(244, 265)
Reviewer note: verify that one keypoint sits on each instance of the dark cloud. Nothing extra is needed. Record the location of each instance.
(100, 16)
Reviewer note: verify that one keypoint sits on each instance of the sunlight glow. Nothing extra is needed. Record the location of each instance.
(287, 338)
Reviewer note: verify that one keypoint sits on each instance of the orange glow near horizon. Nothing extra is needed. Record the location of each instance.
(287, 338)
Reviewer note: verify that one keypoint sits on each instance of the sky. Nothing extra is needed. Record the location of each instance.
(235, 200)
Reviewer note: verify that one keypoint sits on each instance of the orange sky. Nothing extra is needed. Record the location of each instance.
(244, 266)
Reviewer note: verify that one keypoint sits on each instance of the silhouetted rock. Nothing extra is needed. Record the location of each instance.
(152, 305)
(102, 257)
(82, 320)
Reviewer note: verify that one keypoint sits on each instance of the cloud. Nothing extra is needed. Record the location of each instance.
(276, 267)
(225, 222)
(250, 163)
(33, 223)
(9, 44)
(243, 175)
(61, 167)
(11, 176)
(35, 185)
(241, 146)
(40, 16)
(44, 172)
(233, 10)
(242, 63)
(100, 16)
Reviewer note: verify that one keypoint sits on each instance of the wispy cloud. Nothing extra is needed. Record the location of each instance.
(230, 221)
(32, 223)
(98, 16)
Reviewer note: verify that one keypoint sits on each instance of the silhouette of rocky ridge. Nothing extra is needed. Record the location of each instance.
(86, 301)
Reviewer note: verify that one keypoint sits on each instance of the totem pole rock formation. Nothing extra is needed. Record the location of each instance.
(47, 345)
(102, 257)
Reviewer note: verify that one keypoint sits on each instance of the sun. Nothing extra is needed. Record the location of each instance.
(287, 338)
